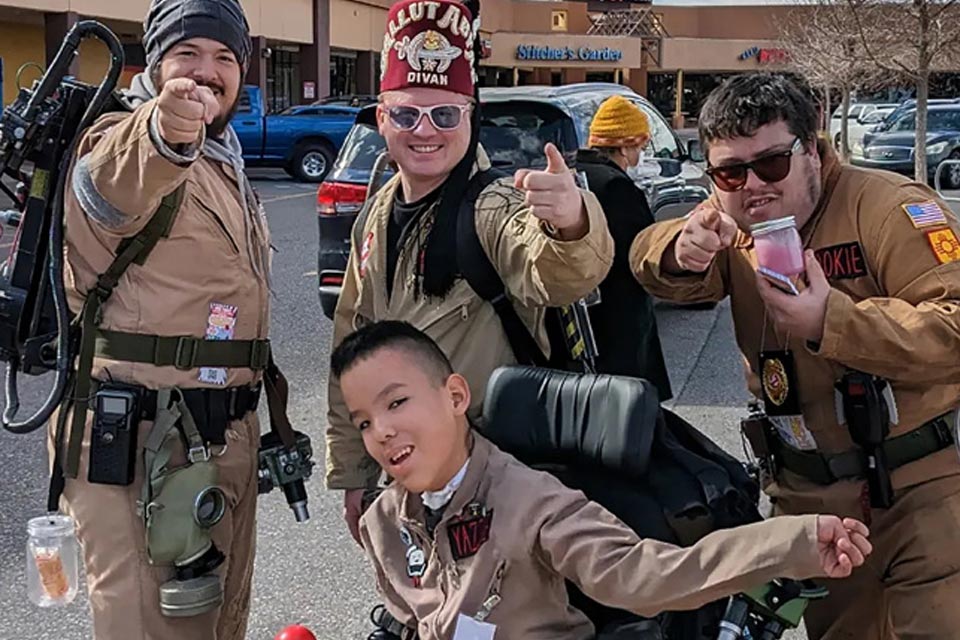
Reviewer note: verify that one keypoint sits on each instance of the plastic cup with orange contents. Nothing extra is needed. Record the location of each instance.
(52, 561)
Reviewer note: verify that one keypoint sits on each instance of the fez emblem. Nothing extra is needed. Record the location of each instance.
(775, 382)
(429, 51)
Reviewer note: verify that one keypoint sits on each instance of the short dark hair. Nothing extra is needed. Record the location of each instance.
(746, 102)
(371, 338)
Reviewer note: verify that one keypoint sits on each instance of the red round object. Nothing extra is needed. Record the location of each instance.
(295, 632)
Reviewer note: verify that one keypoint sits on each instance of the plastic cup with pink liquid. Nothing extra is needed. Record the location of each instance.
(779, 250)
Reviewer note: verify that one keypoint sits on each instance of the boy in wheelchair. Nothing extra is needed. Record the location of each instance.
(468, 542)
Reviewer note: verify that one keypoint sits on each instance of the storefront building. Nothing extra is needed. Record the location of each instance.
(31, 32)
(672, 51)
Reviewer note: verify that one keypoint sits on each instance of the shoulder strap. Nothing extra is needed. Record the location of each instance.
(361, 222)
(135, 249)
(374, 184)
(482, 275)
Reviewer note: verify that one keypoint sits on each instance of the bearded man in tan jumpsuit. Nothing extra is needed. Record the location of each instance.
(881, 297)
(206, 279)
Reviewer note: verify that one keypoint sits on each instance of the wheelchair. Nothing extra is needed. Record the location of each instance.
(608, 437)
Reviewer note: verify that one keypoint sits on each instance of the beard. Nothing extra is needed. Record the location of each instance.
(216, 128)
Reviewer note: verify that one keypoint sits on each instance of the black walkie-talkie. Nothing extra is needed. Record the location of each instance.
(113, 439)
(868, 420)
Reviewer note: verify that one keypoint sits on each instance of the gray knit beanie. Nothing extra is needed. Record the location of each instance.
(172, 21)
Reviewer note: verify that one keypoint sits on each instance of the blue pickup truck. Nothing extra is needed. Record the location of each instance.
(303, 140)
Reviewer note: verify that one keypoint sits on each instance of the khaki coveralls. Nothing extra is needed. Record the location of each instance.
(893, 311)
(540, 534)
(123, 177)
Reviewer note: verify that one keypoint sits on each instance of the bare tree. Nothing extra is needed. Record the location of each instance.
(909, 39)
(824, 44)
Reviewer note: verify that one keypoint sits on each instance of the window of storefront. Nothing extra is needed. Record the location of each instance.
(343, 73)
(495, 77)
(283, 78)
(601, 76)
(558, 19)
(662, 91)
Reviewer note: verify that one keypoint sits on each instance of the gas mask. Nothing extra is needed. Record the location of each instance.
(179, 505)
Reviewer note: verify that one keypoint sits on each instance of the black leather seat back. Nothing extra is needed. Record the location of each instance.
(544, 416)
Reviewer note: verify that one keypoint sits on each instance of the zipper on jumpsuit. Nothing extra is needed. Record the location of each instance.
(421, 533)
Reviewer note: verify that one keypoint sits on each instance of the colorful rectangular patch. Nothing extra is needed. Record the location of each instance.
(220, 326)
(925, 214)
(945, 245)
(842, 261)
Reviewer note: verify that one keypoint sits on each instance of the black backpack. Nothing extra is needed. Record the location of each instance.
(479, 272)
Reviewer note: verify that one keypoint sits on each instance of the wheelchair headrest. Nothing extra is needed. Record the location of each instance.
(544, 416)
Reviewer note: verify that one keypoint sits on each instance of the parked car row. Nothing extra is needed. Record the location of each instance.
(891, 144)
(516, 124)
(859, 118)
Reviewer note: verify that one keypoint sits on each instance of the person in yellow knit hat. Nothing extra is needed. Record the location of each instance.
(618, 133)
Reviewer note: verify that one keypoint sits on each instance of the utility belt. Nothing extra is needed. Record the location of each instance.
(213, 409)
(826, 469)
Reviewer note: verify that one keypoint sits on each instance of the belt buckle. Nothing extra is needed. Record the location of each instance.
(944, 434)
(185, 357)
(198, 454)
(259, 355)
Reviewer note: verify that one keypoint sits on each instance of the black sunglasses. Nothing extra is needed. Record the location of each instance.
(771, 168)
(445, 117)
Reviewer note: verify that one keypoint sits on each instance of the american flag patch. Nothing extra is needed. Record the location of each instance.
(925, 214)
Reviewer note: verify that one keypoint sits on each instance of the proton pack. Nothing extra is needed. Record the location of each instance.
(39, 133)
(39, 136)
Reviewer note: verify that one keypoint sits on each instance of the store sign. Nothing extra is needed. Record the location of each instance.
(309, 90)
(773, 56)
(765, 56)
(565, 54)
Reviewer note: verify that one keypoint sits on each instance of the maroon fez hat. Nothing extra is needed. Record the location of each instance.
(429, 43)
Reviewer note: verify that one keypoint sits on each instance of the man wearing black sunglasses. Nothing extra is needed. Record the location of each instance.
(876, 325)
(547, 240)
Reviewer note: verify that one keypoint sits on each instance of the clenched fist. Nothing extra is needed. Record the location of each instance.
(842, 545)
(183, 110)
(708, 231)
(553, 196)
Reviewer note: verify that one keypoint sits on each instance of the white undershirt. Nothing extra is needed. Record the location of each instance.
(438, 499)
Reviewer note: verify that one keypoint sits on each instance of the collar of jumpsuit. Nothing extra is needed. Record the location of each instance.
(436, 500)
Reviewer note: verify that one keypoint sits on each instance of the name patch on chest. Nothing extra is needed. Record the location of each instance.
(467, 536)
(842, 261)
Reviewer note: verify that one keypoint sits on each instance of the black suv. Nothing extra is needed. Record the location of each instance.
(893, 148)
(516, 124)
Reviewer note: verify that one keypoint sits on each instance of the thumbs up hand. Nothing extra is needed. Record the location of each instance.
(553, 197)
